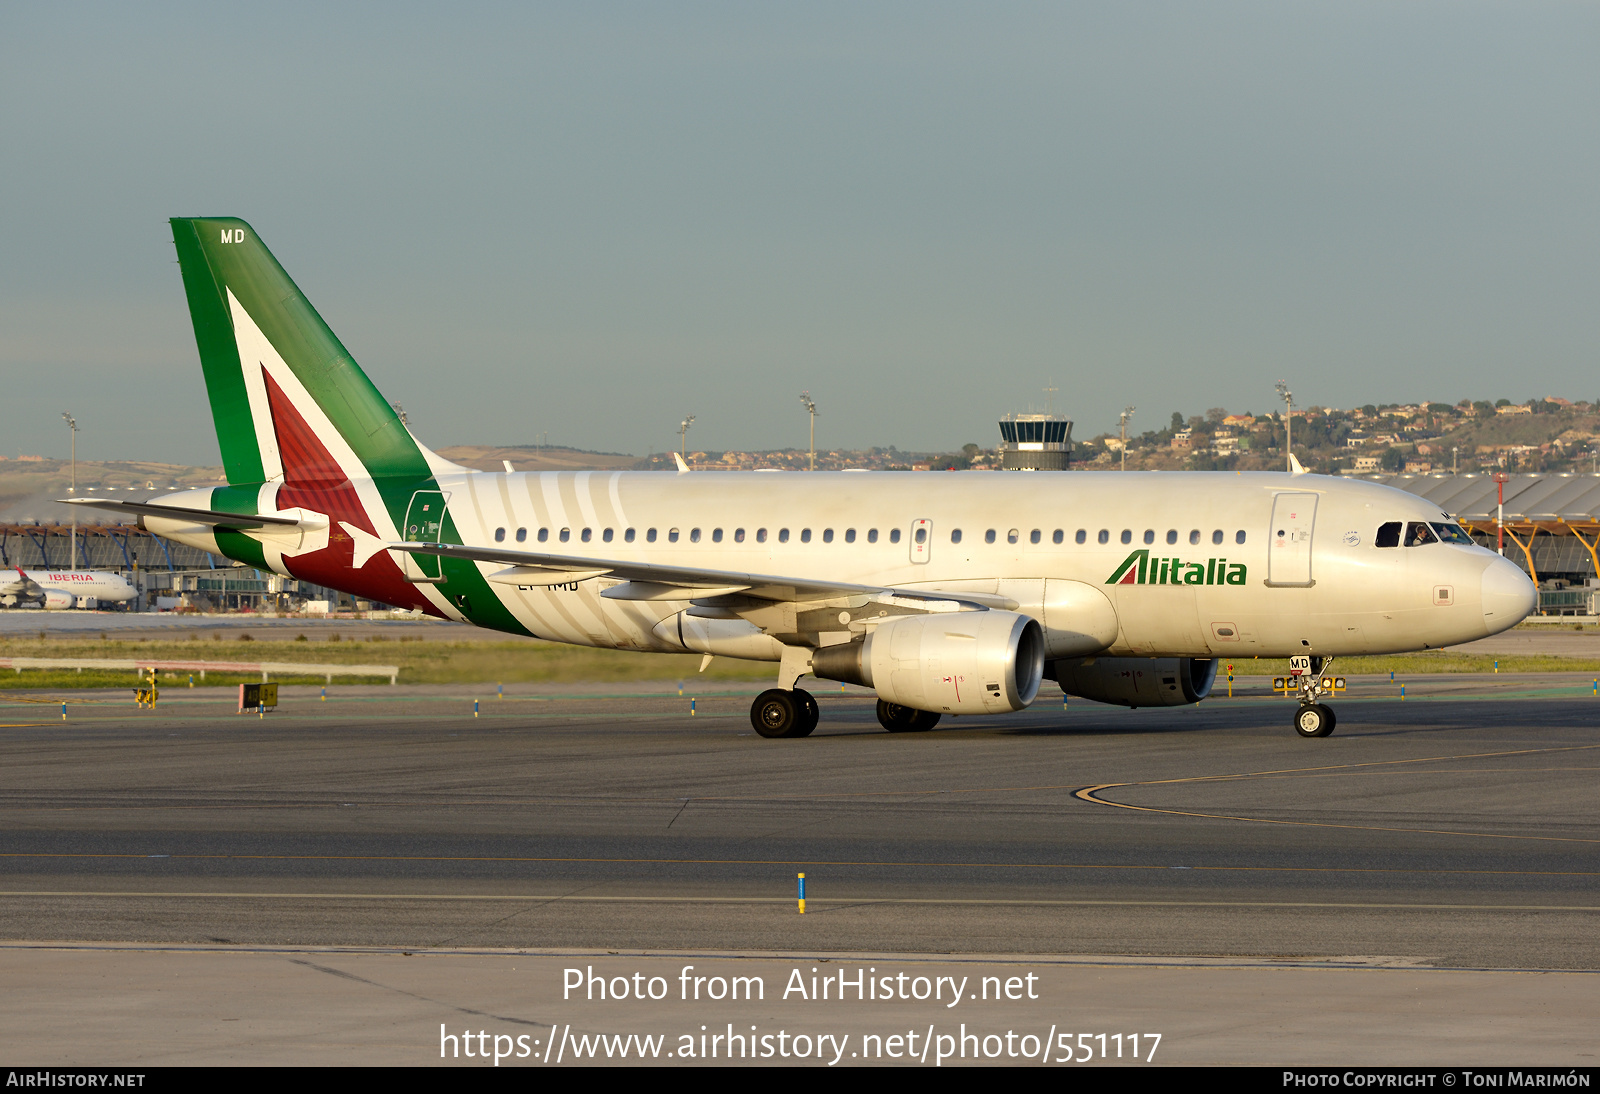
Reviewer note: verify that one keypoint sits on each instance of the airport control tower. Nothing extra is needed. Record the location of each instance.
(1035, 442)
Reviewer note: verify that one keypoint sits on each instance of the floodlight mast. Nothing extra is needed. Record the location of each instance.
(811, 409)
(1288, 424)
(1122, 425)
(72, 427)
(683, 435)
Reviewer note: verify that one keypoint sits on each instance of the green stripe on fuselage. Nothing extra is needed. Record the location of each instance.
(483, 606)
(239, 499)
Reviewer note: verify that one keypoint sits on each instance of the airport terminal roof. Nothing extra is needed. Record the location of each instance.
(1554, 498)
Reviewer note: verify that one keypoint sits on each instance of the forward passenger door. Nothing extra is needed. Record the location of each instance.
(1289, 540)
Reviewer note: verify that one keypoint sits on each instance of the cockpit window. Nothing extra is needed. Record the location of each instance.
(1418, 533)
(1388, 534)
(1452, 533)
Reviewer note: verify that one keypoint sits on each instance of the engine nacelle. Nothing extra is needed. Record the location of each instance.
(57, 601)
(986, 662)
(1138, 681)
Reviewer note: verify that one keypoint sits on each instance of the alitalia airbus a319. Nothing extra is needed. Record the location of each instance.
(944, 593)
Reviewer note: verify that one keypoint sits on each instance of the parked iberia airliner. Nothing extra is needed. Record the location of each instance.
(943, 593)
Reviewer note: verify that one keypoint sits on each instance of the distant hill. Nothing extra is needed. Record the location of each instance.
(527, 457)
(28, 488)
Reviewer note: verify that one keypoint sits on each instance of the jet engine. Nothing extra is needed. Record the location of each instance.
(1137, 681)
(987, 662)
(57, 601)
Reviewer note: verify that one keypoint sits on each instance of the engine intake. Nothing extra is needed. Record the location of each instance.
(1138, 681)
(986, 662)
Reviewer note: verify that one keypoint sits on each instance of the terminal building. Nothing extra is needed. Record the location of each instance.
(167, 574)
(1035, 442)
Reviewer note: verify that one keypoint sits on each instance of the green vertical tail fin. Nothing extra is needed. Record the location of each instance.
(264, 347)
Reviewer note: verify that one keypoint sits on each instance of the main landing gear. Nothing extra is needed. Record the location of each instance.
(779, 713)
(899, 719)
(1313, 719)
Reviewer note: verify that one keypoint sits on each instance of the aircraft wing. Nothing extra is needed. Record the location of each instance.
(25, 586)
(175, 512)
(717, 589)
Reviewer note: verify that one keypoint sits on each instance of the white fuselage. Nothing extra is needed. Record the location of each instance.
(82, 585)
(1256, 564)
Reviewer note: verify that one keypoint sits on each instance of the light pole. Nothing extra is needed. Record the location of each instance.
(811, 409)
(1288, 424)
(1454, 450)
(1500, 479)
(683, 435)
(72, 428)
(1122, 426)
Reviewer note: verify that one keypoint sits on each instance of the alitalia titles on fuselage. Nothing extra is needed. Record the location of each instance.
(1140, 569)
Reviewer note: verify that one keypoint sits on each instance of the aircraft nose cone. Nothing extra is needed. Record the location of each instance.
(1509, 596)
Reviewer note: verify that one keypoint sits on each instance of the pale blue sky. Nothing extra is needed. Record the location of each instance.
(591, 219)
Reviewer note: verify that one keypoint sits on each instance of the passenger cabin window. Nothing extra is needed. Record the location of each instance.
(650, 536)
(1058, 536)
(872, 535)
(827, 535)
(1149, 535)
(1035, 535)
(849, 535)
(672, 535)
(761, 535)
(1216, 537)
(894, 535)
(628, 535)
(694, 535)
(1081, 536)
(1418, 533)
(922, 535)
(1172, 535)
(1194, 538)
(566, 534)
(738, 535)
(607, 534)
(522, 535)
(1127, 535)
(805, 535)
(1238, 537)
(544, 535)
(988, 537)
(783, 535)
(587, 535)
(1388, 534)
(716, 535)
(1105, 535)
(1013, 535)
(955, 535)
(499, 535)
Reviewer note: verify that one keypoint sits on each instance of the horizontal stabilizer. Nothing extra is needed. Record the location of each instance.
(174, 512)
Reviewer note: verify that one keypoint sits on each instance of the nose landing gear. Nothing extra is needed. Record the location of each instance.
(1313, 719)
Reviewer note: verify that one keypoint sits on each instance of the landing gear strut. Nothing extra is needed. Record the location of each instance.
(899, 719)
(779, 713)
(1314, 719)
